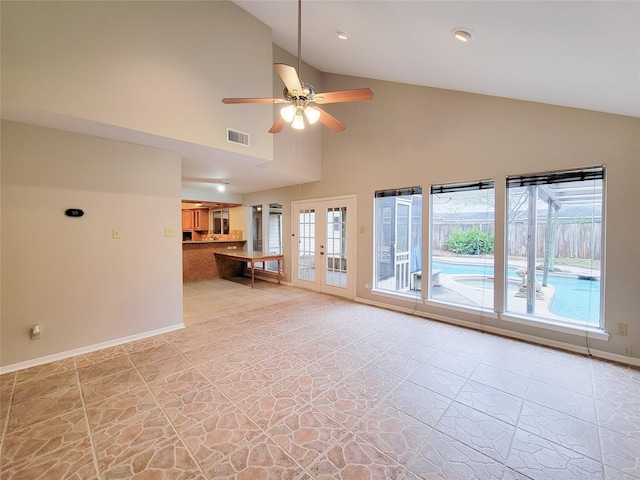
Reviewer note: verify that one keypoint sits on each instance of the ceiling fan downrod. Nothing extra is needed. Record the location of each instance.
(299, 34)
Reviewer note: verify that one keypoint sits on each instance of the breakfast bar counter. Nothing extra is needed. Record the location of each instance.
(251, 258)
(199, 262)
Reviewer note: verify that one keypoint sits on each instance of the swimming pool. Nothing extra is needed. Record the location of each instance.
(575, 298)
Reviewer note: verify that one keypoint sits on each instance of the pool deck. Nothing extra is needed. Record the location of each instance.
(483, 297)
(452, 290)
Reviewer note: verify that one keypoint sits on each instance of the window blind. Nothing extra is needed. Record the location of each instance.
(555, 177)
(462, 187)
(399, 192)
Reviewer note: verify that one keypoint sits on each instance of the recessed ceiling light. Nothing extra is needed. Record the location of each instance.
(342, 35)
(462, 34)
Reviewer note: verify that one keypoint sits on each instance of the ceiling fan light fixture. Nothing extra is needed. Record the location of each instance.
(298, 94)
(312, 115)
(288, 113)
(298, 121)
(462, 34)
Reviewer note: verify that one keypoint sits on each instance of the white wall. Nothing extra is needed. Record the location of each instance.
(68, 274)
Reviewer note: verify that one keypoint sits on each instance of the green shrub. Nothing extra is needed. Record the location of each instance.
(470, 242)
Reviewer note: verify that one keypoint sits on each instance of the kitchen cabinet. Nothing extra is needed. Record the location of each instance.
(201, 219)
(187, 220)
(195, 223)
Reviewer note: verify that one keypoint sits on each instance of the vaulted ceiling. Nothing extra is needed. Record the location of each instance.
(582, 54)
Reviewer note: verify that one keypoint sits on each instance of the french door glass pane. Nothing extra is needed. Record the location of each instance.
(336, 247)
(307, 245)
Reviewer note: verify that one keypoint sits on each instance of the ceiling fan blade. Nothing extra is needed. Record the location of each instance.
(289, 77)
(356, 95)
(330, 121)
(253, 100)
(278, 125)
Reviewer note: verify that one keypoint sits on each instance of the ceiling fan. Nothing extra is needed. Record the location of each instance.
(300, 97)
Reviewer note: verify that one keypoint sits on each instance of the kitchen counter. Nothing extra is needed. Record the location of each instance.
(214, 241)
(199, 262)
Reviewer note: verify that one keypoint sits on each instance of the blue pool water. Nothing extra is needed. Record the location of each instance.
(574, 298)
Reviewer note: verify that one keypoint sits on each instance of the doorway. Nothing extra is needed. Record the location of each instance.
(324, 245)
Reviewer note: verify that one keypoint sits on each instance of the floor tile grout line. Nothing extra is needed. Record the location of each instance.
(597, 415)
(518, 422)
(244, 412)
(5, 427)
(328, 309)
(160, 406)
(94, 450)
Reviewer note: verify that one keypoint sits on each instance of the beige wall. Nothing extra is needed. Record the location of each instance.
(155, 68)
(410, 135)
(148, 76)
(68, 274)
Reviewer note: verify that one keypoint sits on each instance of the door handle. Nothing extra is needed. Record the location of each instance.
(321, 253)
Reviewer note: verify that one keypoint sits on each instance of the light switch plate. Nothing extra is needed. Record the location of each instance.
(169, 232)
(115, 233)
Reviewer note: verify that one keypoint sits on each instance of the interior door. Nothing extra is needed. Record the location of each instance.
(324, 245)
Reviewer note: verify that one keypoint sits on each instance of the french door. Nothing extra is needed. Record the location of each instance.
(324, 245)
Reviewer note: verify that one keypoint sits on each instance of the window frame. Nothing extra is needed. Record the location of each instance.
(454, 188)
(407, 292)
(571, 325)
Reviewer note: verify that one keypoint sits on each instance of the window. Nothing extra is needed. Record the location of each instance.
(398, 240)
(266, 223)
(462, 241)
(554, 246)
(256, 228)
(274, 233)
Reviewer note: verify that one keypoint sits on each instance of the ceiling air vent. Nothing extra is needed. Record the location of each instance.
(237, 137)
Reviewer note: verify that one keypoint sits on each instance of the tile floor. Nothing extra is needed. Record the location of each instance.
(280, 383)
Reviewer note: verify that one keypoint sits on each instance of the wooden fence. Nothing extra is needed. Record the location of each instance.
(573, 240)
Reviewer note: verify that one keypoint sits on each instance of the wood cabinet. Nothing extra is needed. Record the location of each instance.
(201, 219)
(187, 220)
(195, 219)
(195, 223)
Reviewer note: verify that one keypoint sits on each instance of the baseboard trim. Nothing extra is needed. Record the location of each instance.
(88, 349)
(601, 354)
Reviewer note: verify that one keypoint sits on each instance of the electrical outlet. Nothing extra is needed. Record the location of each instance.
(115, 233)
(169, 232)
(36, 332)
(621, 329)
(367, 286)
(628, 351)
